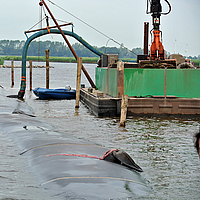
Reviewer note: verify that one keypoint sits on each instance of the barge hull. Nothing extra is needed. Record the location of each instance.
(110, 107)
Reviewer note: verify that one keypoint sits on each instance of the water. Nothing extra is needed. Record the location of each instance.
(162, 147)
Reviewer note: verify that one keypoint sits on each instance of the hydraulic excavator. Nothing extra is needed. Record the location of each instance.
(157, 51)
(156, 57)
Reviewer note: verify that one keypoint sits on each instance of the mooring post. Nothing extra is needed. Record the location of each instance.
(120, 79)
(146, 37)
(78, 81)
(124, 106)
(165, 82)
(12, 73)
(31, 66)
(47, 68)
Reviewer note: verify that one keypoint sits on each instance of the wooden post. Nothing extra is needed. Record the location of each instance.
(12, 73)
(78, 81)
(146, 37)
(47, 68)
(120, 79)
(123, 110)
(165, 82)
(31, 66)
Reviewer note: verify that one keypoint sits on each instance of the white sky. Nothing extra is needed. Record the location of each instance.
(122, 20)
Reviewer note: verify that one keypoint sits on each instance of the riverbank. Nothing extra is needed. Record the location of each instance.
(19, 66)
(70, 59)
(56, 59)
(52, 59)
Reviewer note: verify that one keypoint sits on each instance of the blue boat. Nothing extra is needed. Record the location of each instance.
(44, 93)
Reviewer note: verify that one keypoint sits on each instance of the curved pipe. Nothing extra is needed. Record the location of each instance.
(41, 33)
(170, 8)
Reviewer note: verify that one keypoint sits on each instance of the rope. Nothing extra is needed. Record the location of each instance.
(91, 26)
(77, 155)
(102, 157)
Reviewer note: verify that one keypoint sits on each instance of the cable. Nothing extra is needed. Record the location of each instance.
(91, 26)
(36, 24)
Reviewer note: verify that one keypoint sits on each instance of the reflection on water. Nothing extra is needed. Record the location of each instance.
(162, 147)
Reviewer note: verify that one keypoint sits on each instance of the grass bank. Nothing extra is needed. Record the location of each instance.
(58, 59)
(52, 59)
(1, 61)
(68, 59)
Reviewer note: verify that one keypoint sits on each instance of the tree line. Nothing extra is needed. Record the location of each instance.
(60, 49)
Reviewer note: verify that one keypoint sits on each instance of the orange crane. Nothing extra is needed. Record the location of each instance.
(157, 51)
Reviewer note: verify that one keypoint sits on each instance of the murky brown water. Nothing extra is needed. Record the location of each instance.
(162, 147)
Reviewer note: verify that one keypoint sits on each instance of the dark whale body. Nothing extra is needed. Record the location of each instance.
(72, 168)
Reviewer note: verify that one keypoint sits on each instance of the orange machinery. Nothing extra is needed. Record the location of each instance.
(157, 51)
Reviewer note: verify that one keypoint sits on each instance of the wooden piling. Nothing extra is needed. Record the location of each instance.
(47, 68)
(165, 82)
(120, 79)
(124, 106)
(12, 73)
(78, 81)
(31, 66)
(146, 38)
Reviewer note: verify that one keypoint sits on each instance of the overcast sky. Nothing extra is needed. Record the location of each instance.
(121, 20)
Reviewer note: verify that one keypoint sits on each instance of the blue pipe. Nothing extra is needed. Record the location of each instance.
(41, 33)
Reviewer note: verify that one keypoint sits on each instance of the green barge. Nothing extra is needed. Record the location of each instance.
(164, 90)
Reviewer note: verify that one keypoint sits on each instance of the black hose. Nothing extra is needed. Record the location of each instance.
(170, 8)
(12, 96)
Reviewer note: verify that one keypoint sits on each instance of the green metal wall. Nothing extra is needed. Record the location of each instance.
(188, 80)
(106, 80)
(144, 82)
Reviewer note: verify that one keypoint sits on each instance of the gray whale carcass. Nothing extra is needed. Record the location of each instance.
(70, 167)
